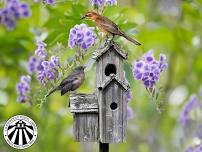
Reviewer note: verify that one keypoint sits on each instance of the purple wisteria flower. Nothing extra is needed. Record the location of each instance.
(197, 148)
(32, 64)
(185, 114)
(129, 96)
(49, 1)
(148, 69)
(82, 36)
(48, 70)
(97, 2)
(111, 2)
(41, 50)
(198, 130)
(12, 11)
(54, 61)
(130, 113)
(103, 2)
(23, 88)
(189, 149)
(45, 70)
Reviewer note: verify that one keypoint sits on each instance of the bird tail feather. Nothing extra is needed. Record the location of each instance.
(52, 91)
(131, 39)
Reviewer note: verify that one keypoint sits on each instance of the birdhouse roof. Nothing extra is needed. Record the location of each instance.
(111, 78)
(106, 48)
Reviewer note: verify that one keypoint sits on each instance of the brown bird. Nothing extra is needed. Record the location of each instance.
(107, 26)
(71, 82)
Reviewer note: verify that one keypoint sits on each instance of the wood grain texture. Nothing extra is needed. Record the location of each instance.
(103, 116)
(101, 51)
(80, 103)
(112, 122)
(109, 57)
(85, 109)
(112, 88)
(85, 127)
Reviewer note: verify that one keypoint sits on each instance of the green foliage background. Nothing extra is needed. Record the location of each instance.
(176, 35)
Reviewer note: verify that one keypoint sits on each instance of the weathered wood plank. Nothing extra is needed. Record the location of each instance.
(100, 52)
(86, 127)
(111, 99)
(85, 109)
(80, 103)
(109, 57)
(111, 89)
(112, 119)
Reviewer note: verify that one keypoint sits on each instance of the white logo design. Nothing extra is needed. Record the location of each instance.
(20, 132)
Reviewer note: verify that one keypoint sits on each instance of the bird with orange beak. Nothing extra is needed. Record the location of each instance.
(107, 26)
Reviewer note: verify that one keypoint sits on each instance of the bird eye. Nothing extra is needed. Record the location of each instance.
(89, 15)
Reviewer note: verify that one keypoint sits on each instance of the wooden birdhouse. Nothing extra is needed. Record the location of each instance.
(112, 93)
(85, 110)
(103, 116)
(109, 61)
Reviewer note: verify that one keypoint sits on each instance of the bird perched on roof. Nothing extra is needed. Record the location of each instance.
(71, 82)
(107, 26)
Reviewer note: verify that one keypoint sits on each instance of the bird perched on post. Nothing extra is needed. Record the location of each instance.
(71, 82)
(107, 26)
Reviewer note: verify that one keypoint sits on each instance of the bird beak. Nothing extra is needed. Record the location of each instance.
(83, 17)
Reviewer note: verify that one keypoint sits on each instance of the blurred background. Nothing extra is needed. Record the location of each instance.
(172, 27)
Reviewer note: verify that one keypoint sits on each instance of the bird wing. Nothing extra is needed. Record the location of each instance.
(78, 81)
(73, 84)
(70, 78)
(109, 26)
(66, 88)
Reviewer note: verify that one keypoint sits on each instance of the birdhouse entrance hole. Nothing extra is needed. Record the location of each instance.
(110, 69)
(113, 106)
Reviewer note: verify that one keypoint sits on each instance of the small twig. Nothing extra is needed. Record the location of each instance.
(151, 94)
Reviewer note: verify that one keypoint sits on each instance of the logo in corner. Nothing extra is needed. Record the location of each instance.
(20, 132)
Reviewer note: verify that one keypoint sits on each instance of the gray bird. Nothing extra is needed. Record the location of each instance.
(71, 82)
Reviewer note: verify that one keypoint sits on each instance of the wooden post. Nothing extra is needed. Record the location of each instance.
(103, 147)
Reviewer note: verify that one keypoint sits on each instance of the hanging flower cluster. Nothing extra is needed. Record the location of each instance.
(49, 1)
(23, 88)
(34, 63)
(194, 148)
(82, 36)
(38, 64)
(192, 104)
(12, 11)
(130, 113)
(185, 114)
(41, 50)
(49, 70)
(110, 2)
(103, 2)
(148, 69)
(187, 120)
(45, 69)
